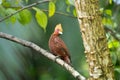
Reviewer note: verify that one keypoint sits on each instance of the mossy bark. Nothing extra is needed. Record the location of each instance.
(94, 39)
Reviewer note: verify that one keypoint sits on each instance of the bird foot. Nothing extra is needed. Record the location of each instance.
(56, 58)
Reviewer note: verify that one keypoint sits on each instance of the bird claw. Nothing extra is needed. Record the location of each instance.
(57, 57)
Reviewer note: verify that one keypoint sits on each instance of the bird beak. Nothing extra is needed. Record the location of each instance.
(60, 32)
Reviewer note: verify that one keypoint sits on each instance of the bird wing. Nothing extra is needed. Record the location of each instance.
(58, 48)
(60, 45)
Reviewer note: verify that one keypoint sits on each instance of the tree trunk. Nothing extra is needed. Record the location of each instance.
(94, 40)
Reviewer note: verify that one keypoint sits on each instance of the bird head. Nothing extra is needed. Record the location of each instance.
(58, 29)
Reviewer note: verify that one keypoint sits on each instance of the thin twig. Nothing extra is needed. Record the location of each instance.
(26, 7)
(43, 52)
(61, 13)
(112, 32)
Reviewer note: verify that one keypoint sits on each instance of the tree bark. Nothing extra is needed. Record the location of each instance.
(94, 40)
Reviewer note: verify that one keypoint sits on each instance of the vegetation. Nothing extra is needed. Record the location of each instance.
(34, 21)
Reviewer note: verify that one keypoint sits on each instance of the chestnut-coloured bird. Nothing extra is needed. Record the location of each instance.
(57, 45)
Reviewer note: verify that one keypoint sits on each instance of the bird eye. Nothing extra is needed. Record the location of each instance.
(57, 30)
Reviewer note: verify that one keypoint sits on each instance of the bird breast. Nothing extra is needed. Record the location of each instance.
(57, 46)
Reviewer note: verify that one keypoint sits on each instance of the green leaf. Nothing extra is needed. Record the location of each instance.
(25, 17)
(6, 4)
(11, 11)
(2, 11)
(51, 9)
(74, 13)
(68, 8)
(108, 12)
(108, 22)
(41, 18)
(113, 44)
(110, 1)
(101, 10)
(67, 2)
(71, 2)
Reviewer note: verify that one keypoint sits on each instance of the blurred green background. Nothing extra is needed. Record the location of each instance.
(21, 63)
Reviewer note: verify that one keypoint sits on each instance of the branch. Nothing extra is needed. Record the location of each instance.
(26, 7)
(112, 32)
(43, 52)
(61, 13)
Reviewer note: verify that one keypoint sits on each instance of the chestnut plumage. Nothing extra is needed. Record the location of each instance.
(57, 45)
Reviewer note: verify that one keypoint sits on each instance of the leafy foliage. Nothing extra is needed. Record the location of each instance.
(51, 9)
(113, 44)
(107, 19)
(74, 13)
(110, 11)
(11, 11)
(41, 18)
(25, 17)
(110, 1)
